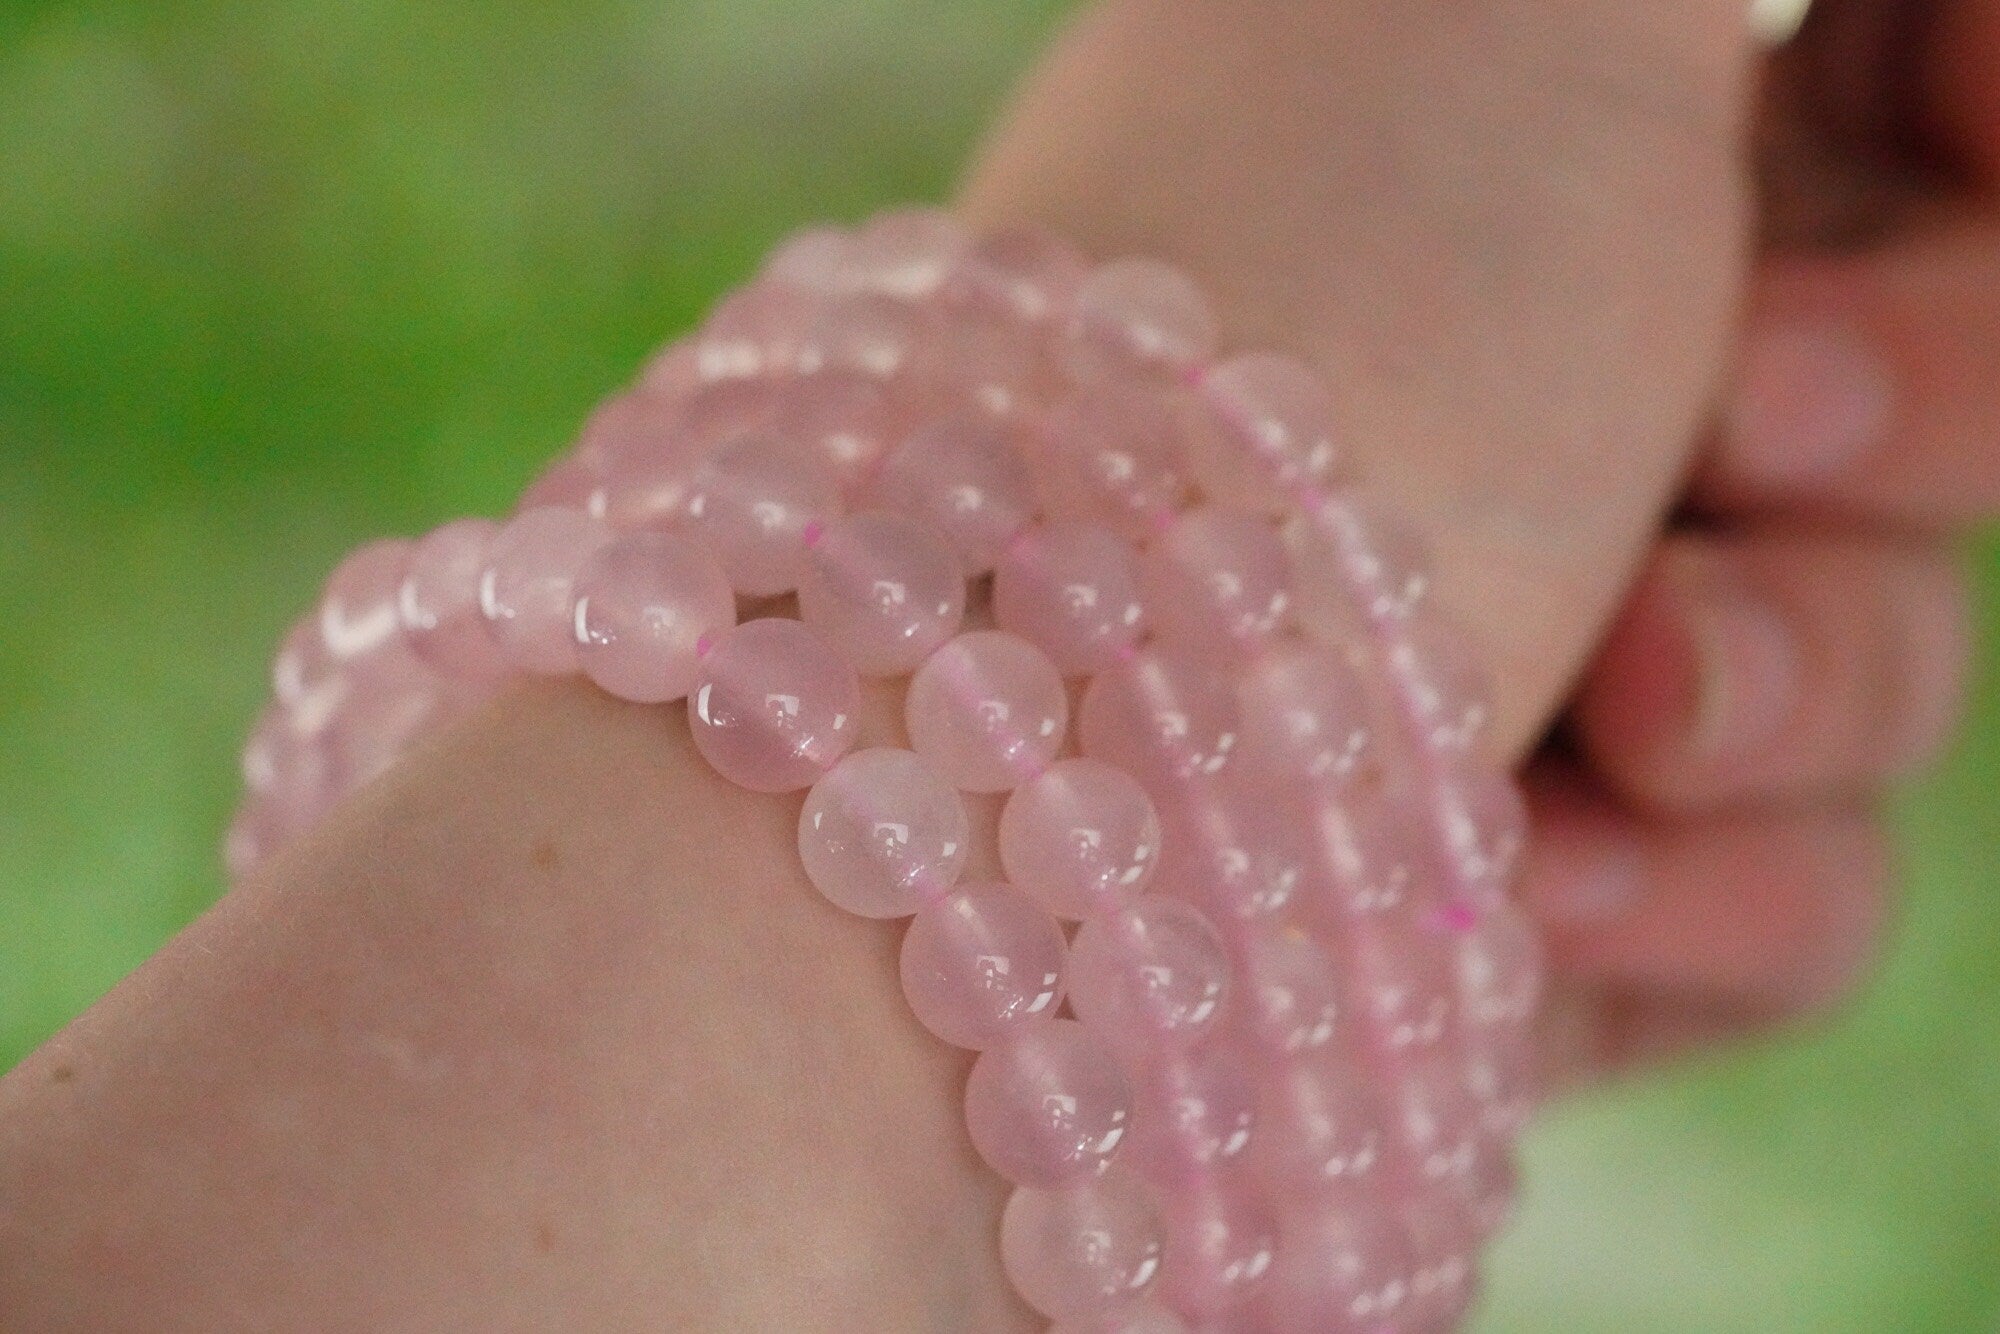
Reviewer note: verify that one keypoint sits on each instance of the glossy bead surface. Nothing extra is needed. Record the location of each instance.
(1228, 849)
(1192, 1113)
(1358, 565)
(1289, 990)
(357, 609)
(1306, 713)
(438, 601)
(988, 709)
(526, 591)
(1049, 1106)
(753, 331)
(1217, 578)
(755, 501)
(965, 477)
(1220, 1244)
(647, 607)
(1340, 1270)
(1112, 456)
(1152, 975)
(981, 962)
(1072, 589)
(1499, 969)
(847, 421)
(1136, 315)
(1275, 432)
(904, 253)
(1444, 687)
(1081, 837)
(1081, 1251)
(1400, 981)
(866, 333)
(882, 833)
(1320, 1129)
(1483, 824)
(883, 588)
(1024, 272)
(775, 707)
(1162, 715)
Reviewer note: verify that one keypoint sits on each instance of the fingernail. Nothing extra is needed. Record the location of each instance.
(1747, 671)
(1812, 396)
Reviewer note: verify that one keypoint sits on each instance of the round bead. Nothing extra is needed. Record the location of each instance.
(1275, 432)
(573, 481)
(865, 333)
(1401, 982)
(1219, 579)
(1443, 1276)
(526, 591)
(1318, 1126)
(812, 258)
(1073, 590)
(755, 330)
(1431, 1116)
(775, 707)
(1083, 1250)
(626, 428)
(903, 253)
(1113, 458)
(1024, 272)
(1369, 858)
(885, 589)
(881, 833)
(1499, 969)
(1340, 1268)
(1049, 1106)
(304, 675)
(1357, 565)
(1444, 686)
(1220, 1244)
(1192, 1113)
(1483, 822)
(1162, 715)
(1228, 848)
(847, 421)
(988, 709)
(1290, 992)
(1152, 975)
(357, 609)
(980, 963)
(438, 602)
(392, 700)
(647, 606)
(1081, 837)
(1305, 714)
(1136, 315)
(964, 477)
(755, 501)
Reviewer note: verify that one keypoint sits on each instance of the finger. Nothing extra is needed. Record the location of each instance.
(1776, 666)
(1866, 385)
(1965, 49)
(1586, 1030)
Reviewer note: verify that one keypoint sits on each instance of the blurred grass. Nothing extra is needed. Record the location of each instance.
(276, 276)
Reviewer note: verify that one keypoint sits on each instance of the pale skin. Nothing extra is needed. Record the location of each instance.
(545, 1029)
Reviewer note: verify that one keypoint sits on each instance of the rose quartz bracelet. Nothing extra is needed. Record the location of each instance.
(1272, 1080)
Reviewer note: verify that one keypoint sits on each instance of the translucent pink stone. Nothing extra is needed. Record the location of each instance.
(1134, 1318)
(964, 476)
(357, 609)
(627, 427)
(755, 330)
(1048, 1107)
(882, 833)
(904, 253)
(1024, 272)
(812, 258)
(988, 709)
(1151, 976)
(1289, 992)
(775, 707)
(1499, 969)
(1218, 578)
(1162, 715)
(1072, 589)
(1136, 315)
(1444, 686)
(720, 412)
(438, 601)
(1484, 825)
(304, 673)
(1081, 837)
(755, 501)
(1501, 1073)
(1228, 849)
(1443, 1274)
(289, 772)
(674, 371)
(1318, 1126)
(1306, 714)
(1275, 432)
(1220, 1245)
(573, 481)
(1342, 1269)
(1401, 981)
(1081, 1250)
(1430, 1114)
(1369, 858)
(647, 606)
(1356, 564)
(1192, 1113)
(983, 360)
(1113, 457)
(848, 421)
(393, 700)
(883, 588)
(981, 962)
(526, 591)
(867, 334)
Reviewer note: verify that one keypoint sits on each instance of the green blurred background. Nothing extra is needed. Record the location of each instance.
(277, 275)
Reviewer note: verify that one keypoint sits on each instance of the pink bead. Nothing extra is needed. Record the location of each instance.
(963, 476)
(1444, 1274)
(646, 607)
(811, 258)
(626, 427)
(1340, 1270)
(1081, 837)
(1289, 992)
(885, 589)
(988, 709)
(1444, 686)
(980, 963)
(1228, 849)
(847, 421)
(1484, 826)
(903, 253)
(289, 773)
(881, 834)
(867, 334)
(1136, 315)
(1501, 1075)
(1358, 565)
(1220, 1245)
(305, 676)
(984, 361)
(1083, 1250)
(1430, 1115)
(393, 700)
(1274, 436)
(719, 412)
(526, 592)
(1072, 589)
(1401, 982)
(1369, 859)
(755, 502)
(1025, 272)
(1218, 578)
(1048, 1107)
(1136, 1318)
(754, 331)
(573, 481)
(1306, 714)
(357, 609)
(438, 602)
(1113, 457)
(775, 707)
(674, 371)
(1153, 975)
(1499, 969)
(1162, 715)
(1318, 1126)
(1192, 1113)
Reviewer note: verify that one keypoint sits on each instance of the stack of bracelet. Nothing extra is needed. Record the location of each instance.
(1272, 1080)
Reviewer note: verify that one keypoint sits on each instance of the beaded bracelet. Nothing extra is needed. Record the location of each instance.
(1273, 1079)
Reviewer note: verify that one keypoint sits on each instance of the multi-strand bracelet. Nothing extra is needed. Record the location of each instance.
(1272, 1080)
